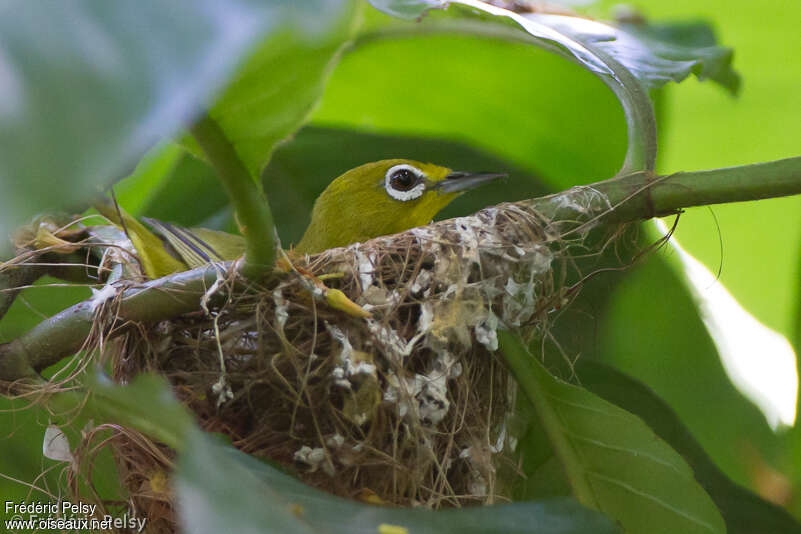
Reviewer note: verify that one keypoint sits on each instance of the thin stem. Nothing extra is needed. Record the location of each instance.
(247, 197)
(522, 365)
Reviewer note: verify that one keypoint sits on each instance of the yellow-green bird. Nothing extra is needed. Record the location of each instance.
(380, 198)
(374, 199)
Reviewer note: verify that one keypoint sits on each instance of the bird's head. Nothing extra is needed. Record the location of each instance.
(383, 197)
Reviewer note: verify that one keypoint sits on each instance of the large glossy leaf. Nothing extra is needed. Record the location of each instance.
(88, 86)
(770, 382)
(655, 53)
(650, 329)
(673, 51)
(408, 9)
(743, 511)
(501, 23)
(627, 60)
(509, 99)
(220, 489)
(612, 460)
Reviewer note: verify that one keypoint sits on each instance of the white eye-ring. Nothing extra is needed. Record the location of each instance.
(404, 182)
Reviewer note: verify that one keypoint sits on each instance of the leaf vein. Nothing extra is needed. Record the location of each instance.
(584, 406)
(652, 498)
(633, 452)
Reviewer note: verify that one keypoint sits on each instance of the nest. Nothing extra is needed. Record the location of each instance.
(409, 406)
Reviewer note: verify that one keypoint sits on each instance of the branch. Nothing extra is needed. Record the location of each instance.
(252, 210)
(65, 333)
(636, 196)
(632, 197)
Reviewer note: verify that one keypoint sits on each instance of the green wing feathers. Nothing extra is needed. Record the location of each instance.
(169, 248)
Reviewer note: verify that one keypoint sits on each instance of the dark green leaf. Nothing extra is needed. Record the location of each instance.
(190, 178)
(554, 35)
(146, 404)
(220, 489)
(48, 297)
(744, 512)
(611, 459)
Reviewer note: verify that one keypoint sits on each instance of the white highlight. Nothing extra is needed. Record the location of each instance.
(56, 446)
(403, 196)
(759, 361)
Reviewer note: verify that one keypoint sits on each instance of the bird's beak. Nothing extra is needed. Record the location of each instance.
(462, 181)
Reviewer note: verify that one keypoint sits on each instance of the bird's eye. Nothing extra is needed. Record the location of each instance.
(404, 182)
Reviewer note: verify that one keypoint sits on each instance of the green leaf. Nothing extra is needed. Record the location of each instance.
(274, 93)
(660, 339)
(755, 247)
(654, 53)
(48, 297)
(555, 35)
(508, 99)
(612, 460)
(152, 172)
(190, 177)
(146, 404)
(220, 489)
(665, 52)
(628, 59)
(89, 86)
(743, 511)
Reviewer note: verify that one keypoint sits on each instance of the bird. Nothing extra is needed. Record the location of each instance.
(383, 197)
(374, 199)
(169, 248)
